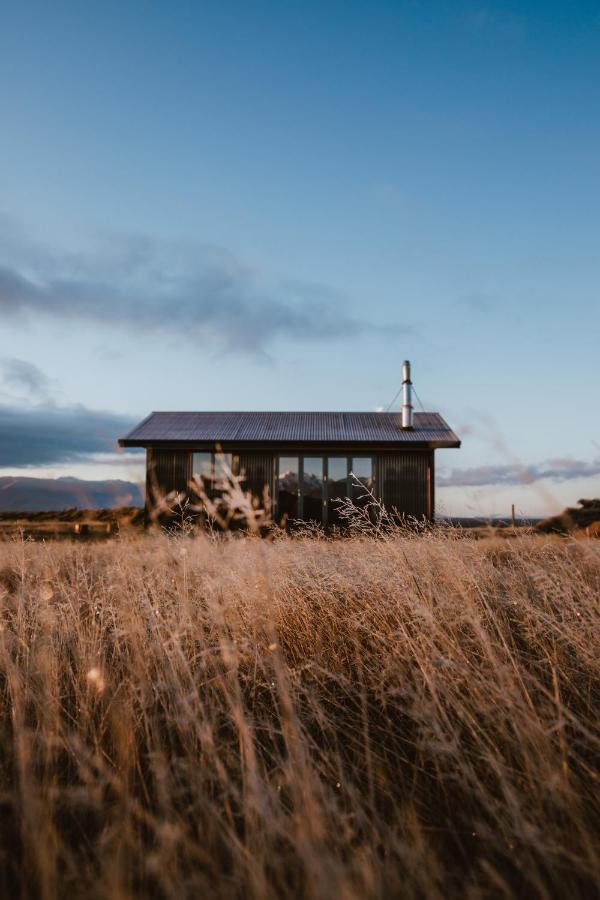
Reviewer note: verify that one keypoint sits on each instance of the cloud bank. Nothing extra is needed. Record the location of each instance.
(554, 469)
(47, 435)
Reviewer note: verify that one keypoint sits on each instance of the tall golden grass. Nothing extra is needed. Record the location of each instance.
(375, 717)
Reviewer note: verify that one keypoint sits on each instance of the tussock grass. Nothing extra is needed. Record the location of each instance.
(201, 717)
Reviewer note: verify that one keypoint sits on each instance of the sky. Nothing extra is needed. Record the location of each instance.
(242, 205)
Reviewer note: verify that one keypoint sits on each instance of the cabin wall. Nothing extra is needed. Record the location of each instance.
(166, 471)
(431, 485)
(404, 480)
(169, 471)
(258, 473)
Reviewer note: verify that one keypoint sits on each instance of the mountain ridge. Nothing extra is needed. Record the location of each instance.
(21, 493)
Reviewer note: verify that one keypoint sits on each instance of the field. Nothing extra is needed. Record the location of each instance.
(386, 716)
(76, 524)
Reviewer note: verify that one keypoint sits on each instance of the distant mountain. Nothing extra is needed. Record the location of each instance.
(19, 494)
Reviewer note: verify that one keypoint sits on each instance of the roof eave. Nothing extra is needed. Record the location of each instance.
(163, 444)
(128, 440)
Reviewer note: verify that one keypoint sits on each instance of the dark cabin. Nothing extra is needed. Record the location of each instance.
(304, 460)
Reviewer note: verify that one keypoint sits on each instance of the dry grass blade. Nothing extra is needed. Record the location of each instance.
(391, 714)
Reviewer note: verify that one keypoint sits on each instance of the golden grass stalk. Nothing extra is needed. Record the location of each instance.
(201, 717)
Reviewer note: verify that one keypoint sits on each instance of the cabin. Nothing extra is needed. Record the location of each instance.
(304, 461)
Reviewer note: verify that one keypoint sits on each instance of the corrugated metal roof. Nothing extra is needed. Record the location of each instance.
(281, 427)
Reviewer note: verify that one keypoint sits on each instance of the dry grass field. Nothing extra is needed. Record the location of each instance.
(387, 716)
(92, 524)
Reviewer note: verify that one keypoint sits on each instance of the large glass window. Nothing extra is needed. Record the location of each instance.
(223, 467)
(202, 466)
(213, 468)
(362, 469)
(361, 479)
(337, 486)
(312, 488)
(287, 487)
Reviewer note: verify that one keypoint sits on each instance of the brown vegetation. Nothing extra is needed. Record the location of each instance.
(70, 523)
(584, 518)
(399, 715)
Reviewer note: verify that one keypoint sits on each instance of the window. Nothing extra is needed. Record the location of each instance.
(337, 486)
(361, 479)
(312, 488)
(213, 468)
(362, 469)
(202, 466)
(287, 487)
(223, 466)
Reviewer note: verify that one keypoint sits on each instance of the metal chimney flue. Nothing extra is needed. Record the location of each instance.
(407, 408)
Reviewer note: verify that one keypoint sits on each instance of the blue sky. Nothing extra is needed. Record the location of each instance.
(242, 205)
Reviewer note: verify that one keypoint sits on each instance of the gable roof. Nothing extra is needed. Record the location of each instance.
(429, 429)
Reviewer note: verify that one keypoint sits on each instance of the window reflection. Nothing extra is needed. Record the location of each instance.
(312, 489)
(223, 466)
(362, 469)
(304, 492)
(213, 469)
(361, 479)
(337, 486)
(202, 465)
(287, 487)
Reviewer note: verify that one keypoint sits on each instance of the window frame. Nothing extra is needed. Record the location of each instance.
(325, 500)
(210, 481)
(300, 474)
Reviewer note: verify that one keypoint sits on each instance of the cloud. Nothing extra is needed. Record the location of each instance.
(484, 18)
(46, 434)
(385, 192)
(482, 303)
(194, 293)
(554, 469)
(19, 373)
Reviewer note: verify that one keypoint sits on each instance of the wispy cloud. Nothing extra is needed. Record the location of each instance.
(488, 18)
(482, 303)
(24, 375)
(195, 293)
(553, 469)
(386, 192)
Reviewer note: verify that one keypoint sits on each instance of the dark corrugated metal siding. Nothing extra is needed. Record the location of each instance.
(167, 471)
(403, 482)
(258, 472)
(431, 485)
(281, 427)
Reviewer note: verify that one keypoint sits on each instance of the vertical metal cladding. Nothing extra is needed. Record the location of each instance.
(167, 471)
(258, 473)
(431, 485)
(404, 483)
(404, 480)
